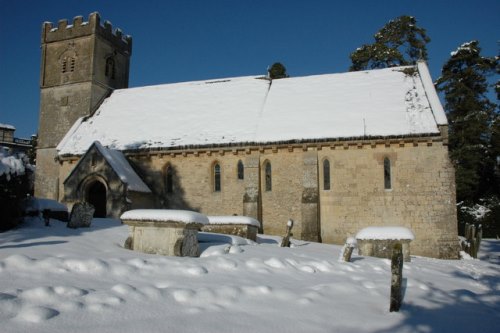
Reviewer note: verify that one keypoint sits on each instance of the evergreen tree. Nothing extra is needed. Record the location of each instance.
(473, 132)
(399, 43)
(277, 71)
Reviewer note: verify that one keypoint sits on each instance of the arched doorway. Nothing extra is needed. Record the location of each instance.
(96, 195)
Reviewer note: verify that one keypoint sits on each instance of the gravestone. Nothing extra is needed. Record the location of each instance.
(81, 215)
(396, 277)
(285, 242)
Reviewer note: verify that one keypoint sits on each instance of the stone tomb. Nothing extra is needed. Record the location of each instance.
(242, 226)
(164, 232)
(379, 241)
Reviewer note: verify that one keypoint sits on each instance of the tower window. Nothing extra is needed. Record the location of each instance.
(217, 186)
(68, 64)
(387, 173)
(326, 175)
(110, 68)
(268, 176)
(241, 170)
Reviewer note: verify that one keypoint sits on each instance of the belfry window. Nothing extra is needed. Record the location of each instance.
(68, 64)
(387, 174)
(241, 170)
(326, 175)
(268, 176)
(217, 186)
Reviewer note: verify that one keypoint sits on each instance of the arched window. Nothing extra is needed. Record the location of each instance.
(387, 173)
(169, 180)
(216, 177)
(110, 68)
(326, 175)
(68, 64)
(241, 170)
(268, 176)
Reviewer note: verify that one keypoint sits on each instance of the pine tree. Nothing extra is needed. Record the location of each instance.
(399, 43)
(473, 120)
(277, 71)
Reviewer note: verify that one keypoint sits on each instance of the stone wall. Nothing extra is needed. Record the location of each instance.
(74, 83)
(422, 196)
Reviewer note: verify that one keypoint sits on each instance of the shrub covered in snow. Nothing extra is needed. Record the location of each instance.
(16, 182)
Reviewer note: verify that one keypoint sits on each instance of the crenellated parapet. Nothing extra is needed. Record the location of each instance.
(79, 28)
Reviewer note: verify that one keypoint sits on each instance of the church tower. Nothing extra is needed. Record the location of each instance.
(81, 65)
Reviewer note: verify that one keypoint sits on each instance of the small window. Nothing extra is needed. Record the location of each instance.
(110, 68)
(326, 175)
(217, 177)
(241, 170)
(268, 176)
(72, 62)
(387, 174)
(169, 180)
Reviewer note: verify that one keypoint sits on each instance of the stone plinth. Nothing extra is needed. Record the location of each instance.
(242, 226)
(380, 241)
(164, 232)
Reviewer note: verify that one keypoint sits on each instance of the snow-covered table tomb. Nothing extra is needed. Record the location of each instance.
(242, 226)
(379, 241)
(165, 232)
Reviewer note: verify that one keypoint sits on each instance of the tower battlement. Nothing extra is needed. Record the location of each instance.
(79, 28)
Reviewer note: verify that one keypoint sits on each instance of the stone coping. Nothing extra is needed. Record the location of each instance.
(385, 233)
(164, 216)
(163, 224)
(233, 220)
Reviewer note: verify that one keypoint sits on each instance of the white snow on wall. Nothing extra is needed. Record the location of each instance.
(39, 204)
(233, 220)
(385, 233)
(383, 102)
(182, 216)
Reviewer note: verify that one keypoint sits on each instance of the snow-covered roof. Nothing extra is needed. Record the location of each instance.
(7, 126)
(165, 215)
(120, 165)
(384, 102)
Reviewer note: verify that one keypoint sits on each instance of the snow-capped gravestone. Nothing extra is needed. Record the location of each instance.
(242, 226)
(379, 241)
(81, 215)
(165, 232)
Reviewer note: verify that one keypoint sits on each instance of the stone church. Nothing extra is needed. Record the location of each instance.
(334, 152)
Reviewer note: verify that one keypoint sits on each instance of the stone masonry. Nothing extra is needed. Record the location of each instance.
(81, 64)
(422, 197)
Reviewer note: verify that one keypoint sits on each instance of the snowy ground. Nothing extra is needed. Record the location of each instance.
(55, 279)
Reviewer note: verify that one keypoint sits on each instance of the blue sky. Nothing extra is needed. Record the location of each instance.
(185, 40)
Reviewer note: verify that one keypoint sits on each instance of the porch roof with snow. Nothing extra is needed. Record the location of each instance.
(252, 110)
(120, 166)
